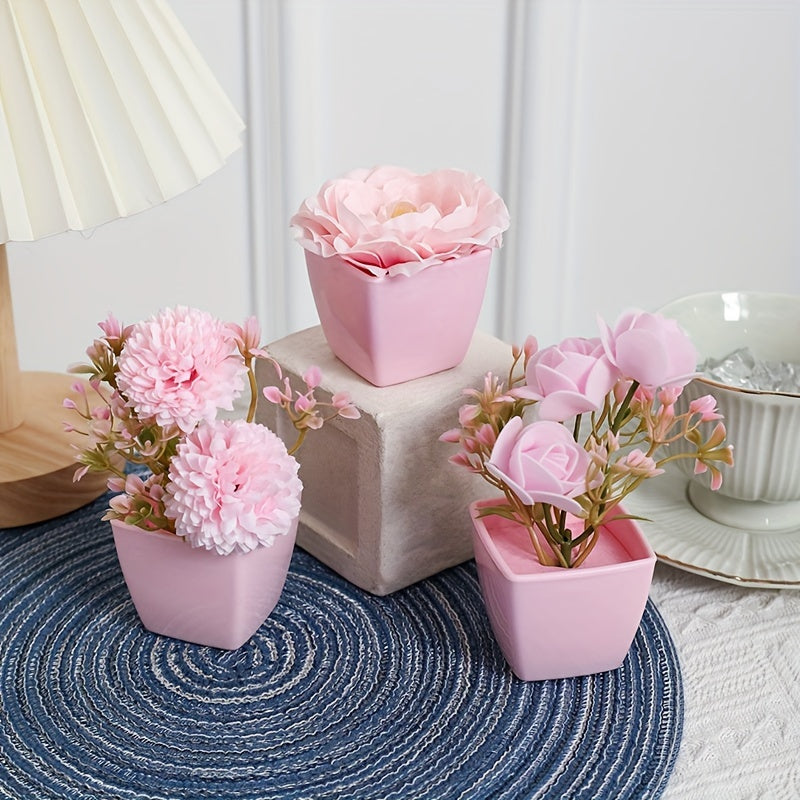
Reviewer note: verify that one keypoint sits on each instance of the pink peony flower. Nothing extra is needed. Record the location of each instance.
(569, 378)
(650, 349)
(180, 367)
(232, 485)
(540, 463)
(388, 220)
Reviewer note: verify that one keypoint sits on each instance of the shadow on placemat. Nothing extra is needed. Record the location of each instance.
(339, 695)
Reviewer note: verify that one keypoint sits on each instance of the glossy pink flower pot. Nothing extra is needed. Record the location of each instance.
(196, 594)
(552, 622)
(394, 329)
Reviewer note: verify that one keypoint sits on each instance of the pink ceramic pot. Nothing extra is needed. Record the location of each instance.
(392, 330)
(552, 622)
(196, 594)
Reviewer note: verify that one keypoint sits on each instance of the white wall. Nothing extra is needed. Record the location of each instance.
(646, 149)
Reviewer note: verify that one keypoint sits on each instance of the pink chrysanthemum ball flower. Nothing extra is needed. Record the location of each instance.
(232, 485)
(179, 367)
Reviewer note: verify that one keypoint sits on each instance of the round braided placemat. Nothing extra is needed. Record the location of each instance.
(339, 695)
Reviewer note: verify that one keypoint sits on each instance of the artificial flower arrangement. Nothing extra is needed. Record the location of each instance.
(582, 425)
(382, 247)
(391, 221)
(227, 485)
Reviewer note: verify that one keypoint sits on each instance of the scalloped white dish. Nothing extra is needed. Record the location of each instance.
(685, 538)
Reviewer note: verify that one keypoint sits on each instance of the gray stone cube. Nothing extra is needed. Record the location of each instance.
(382, 505)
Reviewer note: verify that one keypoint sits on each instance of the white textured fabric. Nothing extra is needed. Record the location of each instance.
(106, 109)
(739, 650)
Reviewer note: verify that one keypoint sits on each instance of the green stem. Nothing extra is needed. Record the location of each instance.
(296, 446)
(588, 549)
(524, 517)
(587, 532)
(541, 556)
(622, 412)
(559, 543)
(251, 376)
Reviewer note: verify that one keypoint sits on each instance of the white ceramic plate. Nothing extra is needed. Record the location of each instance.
(684, 538)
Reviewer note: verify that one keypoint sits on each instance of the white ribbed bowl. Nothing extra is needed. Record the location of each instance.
(762, 490)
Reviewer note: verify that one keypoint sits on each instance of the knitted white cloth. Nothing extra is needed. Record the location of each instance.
(739, 650)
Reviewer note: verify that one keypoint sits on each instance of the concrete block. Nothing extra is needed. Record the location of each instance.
(382, 506)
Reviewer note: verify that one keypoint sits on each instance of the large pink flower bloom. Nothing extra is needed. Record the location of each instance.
(180, 367)
(569, 378)
(389, 220)
(232, 485)
(540, 463)
(650, 349)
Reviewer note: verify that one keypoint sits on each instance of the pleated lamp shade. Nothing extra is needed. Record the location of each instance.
(106, 108)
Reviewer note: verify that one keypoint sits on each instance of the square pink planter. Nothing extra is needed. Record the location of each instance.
(552, 622)
(197, 595)
(392, 330)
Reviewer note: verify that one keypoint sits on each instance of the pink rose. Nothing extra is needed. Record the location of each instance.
(540, 463)
(650, 349)
(568, 379)
(388, 220)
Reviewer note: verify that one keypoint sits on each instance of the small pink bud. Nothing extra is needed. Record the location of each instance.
(453, 436)
(273, 394)
(120, 503)
(312, 377)
(642, 394)
(706, 406)
(116, 484)
(699, 467)
(467, 413)
(304, 404)
(111, 327)
(486, 435)
(259, 352)
(471, 445)
(669, 394)
(79, 473)
(340, 400)
(250, 334)
(68, 403)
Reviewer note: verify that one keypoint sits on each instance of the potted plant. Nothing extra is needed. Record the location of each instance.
(398, 264)
(205, 517)
(564, 571)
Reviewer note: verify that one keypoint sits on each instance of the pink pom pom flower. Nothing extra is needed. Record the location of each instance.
(180, 367)
(232, 486)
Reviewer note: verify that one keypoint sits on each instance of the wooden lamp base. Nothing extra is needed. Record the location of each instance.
(37, 462)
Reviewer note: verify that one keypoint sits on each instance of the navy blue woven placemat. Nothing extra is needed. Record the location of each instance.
(339, 695)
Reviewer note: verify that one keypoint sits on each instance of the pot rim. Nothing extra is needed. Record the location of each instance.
(546, 573)
(126, 527)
